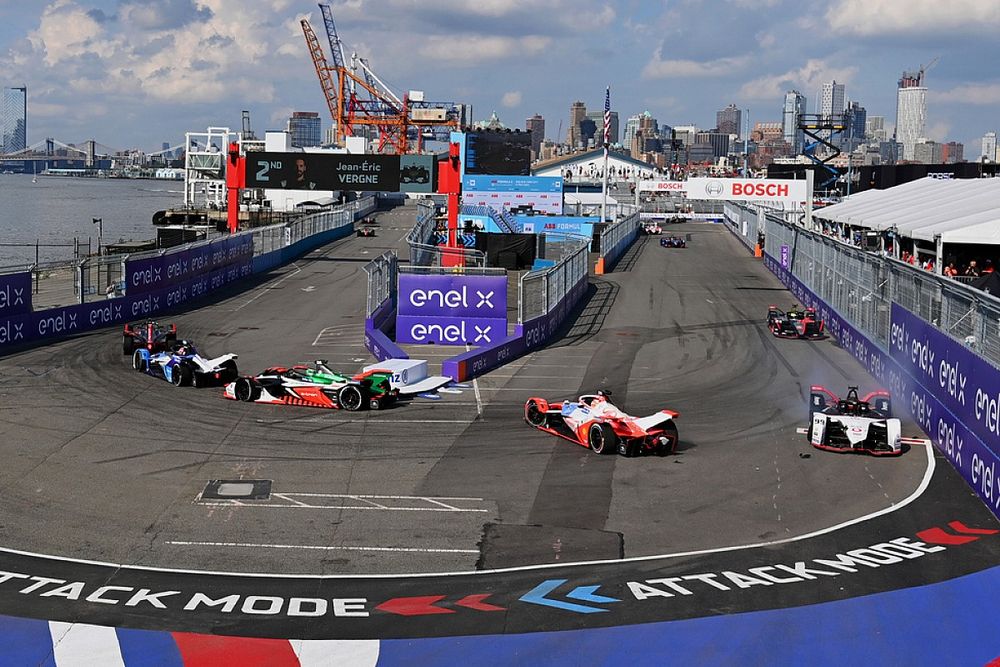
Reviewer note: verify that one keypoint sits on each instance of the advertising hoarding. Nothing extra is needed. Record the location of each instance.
(475, 183)
(451, 309)
(15, 293)
(341, 171)
(661, 186)
(746, 189)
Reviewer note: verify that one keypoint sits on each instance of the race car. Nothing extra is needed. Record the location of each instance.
(315, 386)
(150, 334)
(652, 228)
(853, 424)
(673, 242)
(795, 322)
(183, 366)
(593, 421)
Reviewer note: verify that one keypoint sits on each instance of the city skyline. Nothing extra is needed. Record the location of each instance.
(132, 73)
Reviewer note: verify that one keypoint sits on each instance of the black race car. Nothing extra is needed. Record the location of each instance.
(673, 242)
(796, 322)
(150, 334)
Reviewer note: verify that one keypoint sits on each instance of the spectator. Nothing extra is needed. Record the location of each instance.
(950, 271)
(972, 270)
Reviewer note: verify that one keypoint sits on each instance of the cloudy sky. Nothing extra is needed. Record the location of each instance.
(135, 73)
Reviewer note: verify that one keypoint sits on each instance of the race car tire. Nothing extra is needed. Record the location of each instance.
(534, 416)
(670, 431)
(198, 380)
(181, 376)
(138, 362)
(246, 390)
(128, 345)
(602, 439)
(170, 339)
(350, 398)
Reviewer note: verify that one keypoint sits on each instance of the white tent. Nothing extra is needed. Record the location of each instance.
(929, 209)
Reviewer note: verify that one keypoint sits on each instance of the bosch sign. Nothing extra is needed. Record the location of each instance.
(451, 310)
(734, 189)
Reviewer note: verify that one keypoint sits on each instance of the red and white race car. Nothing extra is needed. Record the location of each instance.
(592, 421)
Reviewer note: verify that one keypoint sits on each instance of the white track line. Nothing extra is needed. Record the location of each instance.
(316, 547)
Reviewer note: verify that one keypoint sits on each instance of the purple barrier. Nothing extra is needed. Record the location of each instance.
(532, 334)
(377, 342)
(451, 309)
(176, 268)
(930, 405)
(15, 294)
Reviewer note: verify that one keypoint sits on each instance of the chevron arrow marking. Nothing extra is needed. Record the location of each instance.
(476, 602)
(537, 595)
(937, 535)
(415, 606)
(587, 594)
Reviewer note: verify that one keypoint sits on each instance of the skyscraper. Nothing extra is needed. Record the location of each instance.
(536, 125)
(598, 118)
(911, 111)
(831, 99)
(13, 119)
(855, 122)
(875, 128)
(631, 127)
(989, 151)
(793, 108)
(306, 128)
(729, 120)
(577, 112)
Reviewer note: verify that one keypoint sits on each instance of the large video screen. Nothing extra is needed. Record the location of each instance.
(498, 152)
(341, 171)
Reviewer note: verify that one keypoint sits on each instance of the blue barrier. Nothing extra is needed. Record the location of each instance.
(377, 327)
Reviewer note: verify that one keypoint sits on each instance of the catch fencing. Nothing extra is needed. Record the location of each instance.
(382, 272)
(615, 239)
(423, 250)
(99, 277)
(540, 291)
(862, 286)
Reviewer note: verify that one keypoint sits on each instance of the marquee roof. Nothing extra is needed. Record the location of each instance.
(960, 210)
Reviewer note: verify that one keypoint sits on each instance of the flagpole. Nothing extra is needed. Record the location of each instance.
(607, 125)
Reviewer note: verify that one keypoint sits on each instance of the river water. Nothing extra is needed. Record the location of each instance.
(55, 209)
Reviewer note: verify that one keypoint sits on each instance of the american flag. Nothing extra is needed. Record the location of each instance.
(607, 118)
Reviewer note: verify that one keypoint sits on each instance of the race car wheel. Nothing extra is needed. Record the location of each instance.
(670, 432)
(198, 380)
(602, 439)
(181, 376)
(128, 345)
(350, 398)
(138, 363)
(246, 390)
(170, 339)
(534, 416)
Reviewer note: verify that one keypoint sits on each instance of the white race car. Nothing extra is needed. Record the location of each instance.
(652, 228)
(853, 424)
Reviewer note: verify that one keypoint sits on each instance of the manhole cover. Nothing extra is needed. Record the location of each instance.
(237, 489)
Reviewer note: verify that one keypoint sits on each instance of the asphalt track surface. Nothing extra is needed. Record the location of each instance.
(106, 465)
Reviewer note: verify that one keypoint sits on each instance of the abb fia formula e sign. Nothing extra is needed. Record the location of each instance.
(451, 309)
(747, 189)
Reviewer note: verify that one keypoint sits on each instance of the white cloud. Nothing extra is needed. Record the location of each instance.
(884, 17)
(471, 49)
(806, 79)
(938, 131)
(511, 99)
(969, 93)
(657, 68)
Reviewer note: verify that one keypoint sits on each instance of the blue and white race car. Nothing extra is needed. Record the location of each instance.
(182, 366)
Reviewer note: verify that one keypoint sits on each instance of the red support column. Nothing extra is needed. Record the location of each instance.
(450, 183)
(235, 181)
